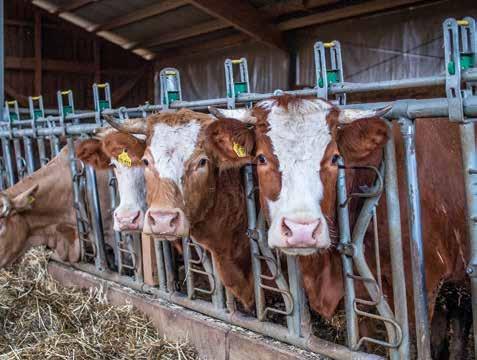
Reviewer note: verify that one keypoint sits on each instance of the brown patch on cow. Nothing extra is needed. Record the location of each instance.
(91, 152)
(117, 142)
(222, 135)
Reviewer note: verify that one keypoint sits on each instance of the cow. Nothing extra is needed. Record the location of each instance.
(189, 195)
(123, 153)
(38, 211)
(294, 143)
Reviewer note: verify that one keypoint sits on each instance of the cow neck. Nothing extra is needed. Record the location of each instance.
(223, 228)
(53, 200)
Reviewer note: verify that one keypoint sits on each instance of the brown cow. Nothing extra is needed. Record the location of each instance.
(293, 144)
(187, 194)
(123, 153)
(38, 211)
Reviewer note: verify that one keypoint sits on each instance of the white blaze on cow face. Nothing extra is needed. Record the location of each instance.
(172, 147)
(129, 215)
(300, 136)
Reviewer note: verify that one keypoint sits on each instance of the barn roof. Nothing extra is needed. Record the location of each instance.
(153, 29)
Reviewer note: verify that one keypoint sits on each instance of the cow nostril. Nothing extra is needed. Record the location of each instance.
(174, 220)
(151, 219)
(317, 229)
(285, 229)
(136, 218)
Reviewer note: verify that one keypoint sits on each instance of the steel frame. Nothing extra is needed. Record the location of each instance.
(460, 106)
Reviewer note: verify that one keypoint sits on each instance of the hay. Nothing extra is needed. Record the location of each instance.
(40, 319)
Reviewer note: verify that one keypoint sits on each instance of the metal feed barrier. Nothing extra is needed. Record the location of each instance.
(285, 300)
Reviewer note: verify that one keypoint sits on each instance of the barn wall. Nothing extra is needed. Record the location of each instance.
(68, 61)
(386, 46)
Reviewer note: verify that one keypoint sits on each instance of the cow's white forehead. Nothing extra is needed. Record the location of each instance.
(172, 146)
(132, 191)
(299, 135)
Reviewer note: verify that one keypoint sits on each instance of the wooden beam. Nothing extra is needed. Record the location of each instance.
(343, 13)
(244, 17)
(38, 55)
(191, 31)
(97, 60)
(287, 7)
(171, 56)
(118, 95)
(141, 14)
(15, 95)
(74, 5)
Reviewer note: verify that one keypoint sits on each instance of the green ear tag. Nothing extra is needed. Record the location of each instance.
(31, 200)
(124, 159)
(239, 150)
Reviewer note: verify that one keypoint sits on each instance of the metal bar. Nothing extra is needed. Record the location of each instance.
(252, 225)
(469, 158)
(42, 151)
(7, 158)
(347, 261)
(298, 293)
(30, 161)
(166, 247)
(218, 294)
(112, 181)
(97, 223)
(395, 244)
(2, 75)
(417, 250)
(188, 274)
(161, 270)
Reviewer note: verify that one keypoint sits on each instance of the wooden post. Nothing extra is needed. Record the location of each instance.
(149, 264)
(38, 55)
(97, 61)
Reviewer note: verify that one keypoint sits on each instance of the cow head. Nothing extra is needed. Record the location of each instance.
(296, 140)
(122, 152)
(14, 229)
(180, 174)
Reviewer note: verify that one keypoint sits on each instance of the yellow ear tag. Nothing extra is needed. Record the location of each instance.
(31, 200)
(239, 150)
(124, 159)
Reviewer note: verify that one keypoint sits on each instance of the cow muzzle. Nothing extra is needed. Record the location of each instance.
(168, 224)
(128, 220)
(299, 236)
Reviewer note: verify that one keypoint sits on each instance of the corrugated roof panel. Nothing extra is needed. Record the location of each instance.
(173, 20)
(105, 10)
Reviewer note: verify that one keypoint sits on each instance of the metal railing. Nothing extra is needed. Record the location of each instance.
(194, 268)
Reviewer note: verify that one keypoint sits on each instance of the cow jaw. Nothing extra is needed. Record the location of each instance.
(129, 215)
(299, 135)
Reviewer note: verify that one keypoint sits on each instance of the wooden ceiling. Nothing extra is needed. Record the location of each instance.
(228, 23)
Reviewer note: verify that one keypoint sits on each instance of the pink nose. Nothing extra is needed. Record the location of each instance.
(128, 220)
(300, 234)
(164, 222)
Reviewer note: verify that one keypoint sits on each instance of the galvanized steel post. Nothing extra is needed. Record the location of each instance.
(417, 250)
(346, 257)
(395, 243)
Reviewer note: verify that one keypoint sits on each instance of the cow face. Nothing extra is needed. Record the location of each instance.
(296, 140)
(122, 152)
(14, 229)
(180, 176)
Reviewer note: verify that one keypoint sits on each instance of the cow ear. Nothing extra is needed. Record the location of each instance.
(360, 142)
(90, 152)
(230, 142)
(25, 199)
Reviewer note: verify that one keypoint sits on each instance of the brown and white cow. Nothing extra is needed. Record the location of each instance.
(293, 145)
(189, 195)
(38, 211)
(123, 153)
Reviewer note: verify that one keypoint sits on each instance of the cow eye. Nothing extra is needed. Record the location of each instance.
(145, 161)
(202, 162)
(335, 158)
(261, 159)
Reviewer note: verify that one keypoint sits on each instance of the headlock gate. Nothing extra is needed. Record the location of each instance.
(191, 280)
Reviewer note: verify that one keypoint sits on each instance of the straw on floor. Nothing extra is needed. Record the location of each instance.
(40, 319)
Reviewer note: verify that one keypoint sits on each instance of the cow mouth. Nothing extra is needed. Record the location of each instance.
(166, 237)
(299, 251)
